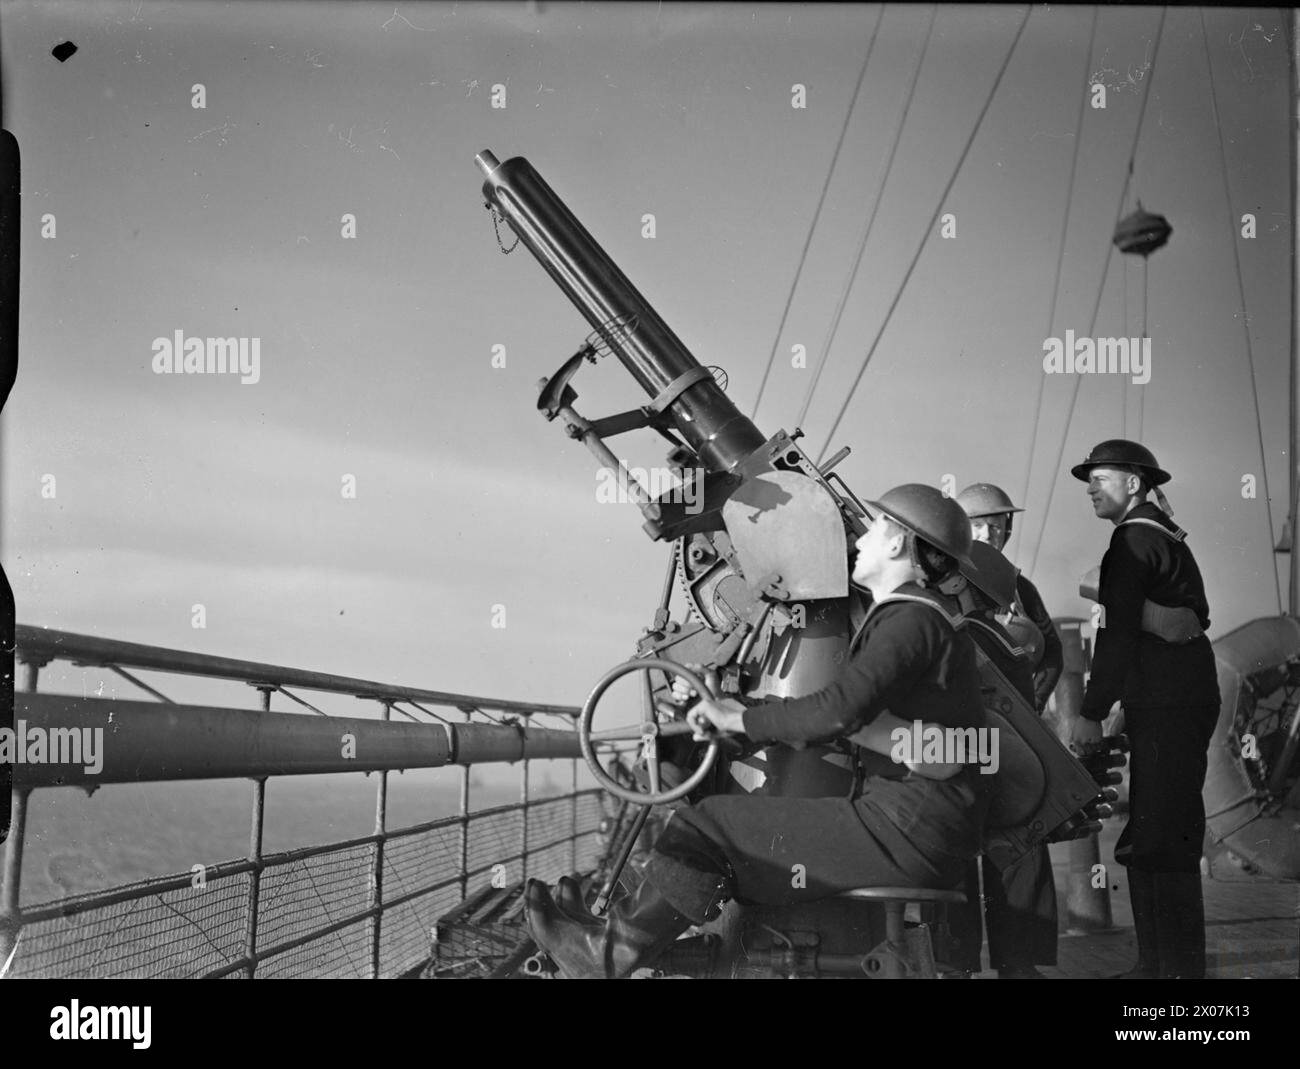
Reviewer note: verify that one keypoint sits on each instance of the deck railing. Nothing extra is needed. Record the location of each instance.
(363, 907)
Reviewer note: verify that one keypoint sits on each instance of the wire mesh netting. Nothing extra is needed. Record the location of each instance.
(191, 931)
(344, 954)
(312, 893)
(485, 935)
(181, 932)
(407, 936)
(495, 838)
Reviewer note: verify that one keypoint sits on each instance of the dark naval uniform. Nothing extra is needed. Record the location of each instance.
(1170, 690)
(1052, 662)
(909, 657)
(1020, 902)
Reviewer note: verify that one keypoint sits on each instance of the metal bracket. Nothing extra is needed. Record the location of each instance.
(676, 388)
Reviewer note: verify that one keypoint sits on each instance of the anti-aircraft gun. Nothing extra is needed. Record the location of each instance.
(761, 542)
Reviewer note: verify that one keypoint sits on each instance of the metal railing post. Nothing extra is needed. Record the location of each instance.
(255, 858)
(33, 674)
(523, 828)
(573, 818)
(377, 877)
(464, 827)
(11, 878)
(11, 920)
(254, 876)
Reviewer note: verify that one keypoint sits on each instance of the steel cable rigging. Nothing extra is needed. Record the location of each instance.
(821, 201)
(1245, 318)
(929, 229)
(1074, 393)
(866, 233)
(1060, 260)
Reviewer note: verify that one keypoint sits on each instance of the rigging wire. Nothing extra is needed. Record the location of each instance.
(1060, 255)
(866, 233)
(821, 201)
(929, 229)
(1245, 319)
(1101, 289)
(1123, 382)
(1142, 394)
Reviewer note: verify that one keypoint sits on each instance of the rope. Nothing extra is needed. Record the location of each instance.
(929, 229)
(1123, 382)
(1128, 178)
(821, 200)
(1245, 319)
(866, 233)
(1060, 256)
(1142, 394)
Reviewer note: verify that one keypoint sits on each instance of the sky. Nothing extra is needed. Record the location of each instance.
(376, 352)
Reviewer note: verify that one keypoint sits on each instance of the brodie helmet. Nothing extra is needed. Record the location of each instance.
(991, 574)
(985, 499)
(925, 512)
(1121, 453)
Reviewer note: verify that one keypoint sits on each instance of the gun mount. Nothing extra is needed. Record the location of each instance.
(762, 564)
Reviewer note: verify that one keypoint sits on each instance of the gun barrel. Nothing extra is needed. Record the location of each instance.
(702, 413)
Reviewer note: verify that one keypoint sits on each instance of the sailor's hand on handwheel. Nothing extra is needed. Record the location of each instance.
(648, 734)
(709, 716)
(683, 692)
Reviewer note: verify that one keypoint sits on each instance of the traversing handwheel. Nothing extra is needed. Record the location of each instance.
(647, 733)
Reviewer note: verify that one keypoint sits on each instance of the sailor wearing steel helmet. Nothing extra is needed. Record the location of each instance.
(904, 827)
(1151, 654)
(1020, 900)
(991, 515)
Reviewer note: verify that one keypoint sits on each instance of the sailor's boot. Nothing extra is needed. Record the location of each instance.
(569, 899)
(1142, 894)
(637, 929)
(1180, 919)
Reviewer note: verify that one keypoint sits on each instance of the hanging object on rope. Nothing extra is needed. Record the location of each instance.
(1139, 234)
(1142, 232)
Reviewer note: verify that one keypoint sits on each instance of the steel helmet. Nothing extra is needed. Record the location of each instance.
(1121, 453)
(927, 513)
(991, 574)
(985, 499)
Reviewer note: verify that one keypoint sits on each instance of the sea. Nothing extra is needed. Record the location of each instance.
(77, 842)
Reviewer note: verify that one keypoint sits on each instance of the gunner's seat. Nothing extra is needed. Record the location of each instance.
(905, 953)
(862, 933)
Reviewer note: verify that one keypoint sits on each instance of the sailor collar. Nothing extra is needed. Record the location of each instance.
(921, 596)
(999, 635)
(1153, 517)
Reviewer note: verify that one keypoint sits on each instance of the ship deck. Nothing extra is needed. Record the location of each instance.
(1252, 924)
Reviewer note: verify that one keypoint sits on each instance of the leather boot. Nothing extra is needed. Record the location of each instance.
(637, 929)
(569, 898)
(1180, 919)
(1142, 893)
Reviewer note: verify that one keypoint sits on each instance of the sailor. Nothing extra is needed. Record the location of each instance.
(1151, 654)
(991, 514)
(1019, 901)
(903, 828)
(989, 589)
